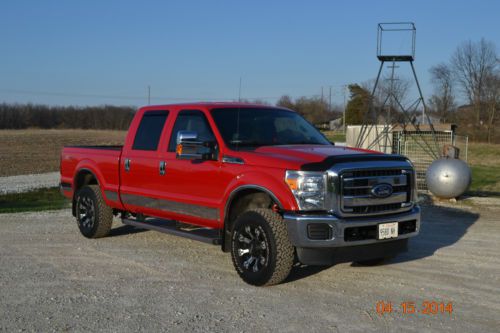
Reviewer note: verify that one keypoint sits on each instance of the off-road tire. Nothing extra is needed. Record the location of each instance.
(101, 215)
(280, 252)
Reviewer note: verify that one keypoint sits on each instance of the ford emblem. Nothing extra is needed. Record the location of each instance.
(381, 190)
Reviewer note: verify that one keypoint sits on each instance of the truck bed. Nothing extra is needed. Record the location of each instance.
(101, 147)
(102, 161)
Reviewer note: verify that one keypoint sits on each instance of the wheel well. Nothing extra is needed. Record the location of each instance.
(239, 203)
(83, 177)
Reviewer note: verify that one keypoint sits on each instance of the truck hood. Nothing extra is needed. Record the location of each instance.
(309, 157)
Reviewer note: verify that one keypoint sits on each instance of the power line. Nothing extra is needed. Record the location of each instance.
(132, 98)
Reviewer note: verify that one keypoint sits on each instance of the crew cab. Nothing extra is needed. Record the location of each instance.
(259, 181)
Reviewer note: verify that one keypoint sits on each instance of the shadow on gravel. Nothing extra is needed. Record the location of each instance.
(440, 227)
(125, 230)
(302, 271)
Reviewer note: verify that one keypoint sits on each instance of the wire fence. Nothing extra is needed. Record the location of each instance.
(417, 146)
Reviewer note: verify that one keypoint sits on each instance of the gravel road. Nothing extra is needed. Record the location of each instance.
(53, 279)
(26, 183)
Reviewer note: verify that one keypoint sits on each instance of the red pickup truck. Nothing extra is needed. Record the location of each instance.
(259, 181)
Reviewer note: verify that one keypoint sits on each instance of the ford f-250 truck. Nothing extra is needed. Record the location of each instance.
(259, 181)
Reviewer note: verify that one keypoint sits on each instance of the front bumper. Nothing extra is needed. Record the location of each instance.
(356, 236)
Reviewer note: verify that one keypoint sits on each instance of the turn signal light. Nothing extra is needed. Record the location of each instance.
(293, 183)
(178, 149)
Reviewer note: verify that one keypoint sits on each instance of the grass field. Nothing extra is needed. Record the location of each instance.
(334, 136)
(42, 199)
(484, 160)
(37, 151)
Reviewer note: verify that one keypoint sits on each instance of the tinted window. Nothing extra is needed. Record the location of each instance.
(191, 120)
(255, 127)
(149, 131)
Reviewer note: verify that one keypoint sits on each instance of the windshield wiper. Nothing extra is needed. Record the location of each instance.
(247, 143)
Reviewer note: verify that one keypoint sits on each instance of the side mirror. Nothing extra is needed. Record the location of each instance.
(189, 147)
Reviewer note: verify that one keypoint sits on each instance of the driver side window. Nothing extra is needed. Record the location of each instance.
(191, 120)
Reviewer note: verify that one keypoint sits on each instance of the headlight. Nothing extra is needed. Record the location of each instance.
(308, 189)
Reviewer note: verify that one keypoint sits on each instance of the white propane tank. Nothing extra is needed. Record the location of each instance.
(448, 177)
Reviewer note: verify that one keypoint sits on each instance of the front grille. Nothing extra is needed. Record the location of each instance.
(371, 173)
(357, 191)
(375, 208)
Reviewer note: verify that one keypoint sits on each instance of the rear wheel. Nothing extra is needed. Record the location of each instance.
(93, 216)
(260, 249)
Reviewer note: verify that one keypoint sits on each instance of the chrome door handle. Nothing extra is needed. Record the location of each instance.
(127, 165)
(163, 164)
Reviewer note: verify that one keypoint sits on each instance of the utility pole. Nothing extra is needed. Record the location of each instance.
(149, 95)
(321, 93)
(344, 89)
(330, 100)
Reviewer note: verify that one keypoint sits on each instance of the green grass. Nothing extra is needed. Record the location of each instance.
(38, 200)
(485, 179)
(334, 136)
(484, 160)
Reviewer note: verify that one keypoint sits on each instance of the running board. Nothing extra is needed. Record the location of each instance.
(206, 235)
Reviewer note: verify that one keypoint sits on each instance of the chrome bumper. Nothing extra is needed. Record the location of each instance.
(298, 230)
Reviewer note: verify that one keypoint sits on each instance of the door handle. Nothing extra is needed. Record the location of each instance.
(163, 165)
(127, 165)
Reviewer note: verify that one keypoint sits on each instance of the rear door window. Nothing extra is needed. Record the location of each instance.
(149, 131)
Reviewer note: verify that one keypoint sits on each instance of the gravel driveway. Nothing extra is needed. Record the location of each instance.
(26, 183)
(53, 279)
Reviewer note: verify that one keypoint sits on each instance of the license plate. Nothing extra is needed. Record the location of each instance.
(388, 230)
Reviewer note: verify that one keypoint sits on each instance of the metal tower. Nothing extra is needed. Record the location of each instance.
(396, 46)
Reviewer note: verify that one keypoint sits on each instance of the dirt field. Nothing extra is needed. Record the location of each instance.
(53, 279)
(37, 151)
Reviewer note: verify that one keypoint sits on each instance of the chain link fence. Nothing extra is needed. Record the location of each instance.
(422, 148)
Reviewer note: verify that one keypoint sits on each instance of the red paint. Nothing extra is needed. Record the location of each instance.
(207, 184)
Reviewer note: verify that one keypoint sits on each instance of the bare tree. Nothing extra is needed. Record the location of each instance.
(472, 63)
(492, 101)
(286, 102)
(443, 99)
(254, 101)
(389, 96)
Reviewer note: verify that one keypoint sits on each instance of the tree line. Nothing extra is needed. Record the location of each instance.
(20, 116)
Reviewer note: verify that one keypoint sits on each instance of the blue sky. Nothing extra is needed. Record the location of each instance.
(108, 52)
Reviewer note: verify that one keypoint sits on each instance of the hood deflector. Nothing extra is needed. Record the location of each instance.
(330, 161)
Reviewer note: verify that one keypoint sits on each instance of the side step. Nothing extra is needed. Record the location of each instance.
(206, 235)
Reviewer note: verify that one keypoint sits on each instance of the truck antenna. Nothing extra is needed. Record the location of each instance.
(239, 92)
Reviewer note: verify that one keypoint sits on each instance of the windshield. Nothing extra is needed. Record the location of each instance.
(255, 127)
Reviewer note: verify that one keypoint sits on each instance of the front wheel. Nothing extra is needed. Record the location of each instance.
(93, 216)
(260, 249)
